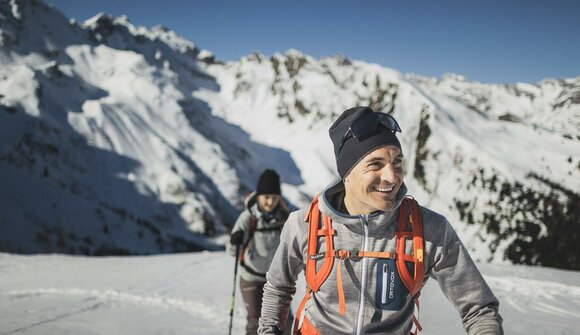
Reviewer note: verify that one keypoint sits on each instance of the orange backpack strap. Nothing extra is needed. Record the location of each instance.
(307, 328)
(315, 279)
(410, 215)
(300, 309)
(410, 210)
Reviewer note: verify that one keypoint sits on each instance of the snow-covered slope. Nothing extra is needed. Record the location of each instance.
(191, 294)
(103, 148)
(122, 139)
(499, 160)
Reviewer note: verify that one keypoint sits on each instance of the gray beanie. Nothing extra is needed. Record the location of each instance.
(348, 152)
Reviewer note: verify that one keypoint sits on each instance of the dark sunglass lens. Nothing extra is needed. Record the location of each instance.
(389, 122)
(364, 125)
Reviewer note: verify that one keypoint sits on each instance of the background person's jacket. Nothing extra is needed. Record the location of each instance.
(446, 260)
(262, 245)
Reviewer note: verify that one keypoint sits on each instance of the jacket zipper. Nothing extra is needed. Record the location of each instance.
(363, 281)
(384, 284)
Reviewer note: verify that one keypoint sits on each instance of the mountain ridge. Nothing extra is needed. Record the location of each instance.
(426, 110)
(106, 106)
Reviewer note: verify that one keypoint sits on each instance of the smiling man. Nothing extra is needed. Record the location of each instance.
(367, 249)
(373, 184)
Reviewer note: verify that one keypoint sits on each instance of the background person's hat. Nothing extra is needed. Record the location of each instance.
(269, 183)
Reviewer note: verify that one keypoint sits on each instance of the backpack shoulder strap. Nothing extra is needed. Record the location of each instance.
(251, 230)
(315, 279)
(313, 218)
(409, 215)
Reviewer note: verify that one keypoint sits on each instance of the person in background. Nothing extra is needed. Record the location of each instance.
(257, 234)
(369, 248)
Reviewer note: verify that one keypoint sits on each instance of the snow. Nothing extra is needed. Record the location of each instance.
(191, 294)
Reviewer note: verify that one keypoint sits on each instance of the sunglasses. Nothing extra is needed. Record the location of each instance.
(368, 124)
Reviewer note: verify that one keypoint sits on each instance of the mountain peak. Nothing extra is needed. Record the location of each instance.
(341, 59)
(294, 53)
(454, 77)
(104, 25)
(103, 18)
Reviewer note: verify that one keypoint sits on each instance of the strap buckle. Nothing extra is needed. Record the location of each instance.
(354, 256)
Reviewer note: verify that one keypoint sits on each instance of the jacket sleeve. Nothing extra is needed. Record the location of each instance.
(463, 284)
(281, 277)
(242, 223)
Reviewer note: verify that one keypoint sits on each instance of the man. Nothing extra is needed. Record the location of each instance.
(362, 217)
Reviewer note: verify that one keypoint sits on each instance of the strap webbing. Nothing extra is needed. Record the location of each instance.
(418, 327)
(250, 270)
(377, 254)
(300, 309)
(342, 255)
(308, 328)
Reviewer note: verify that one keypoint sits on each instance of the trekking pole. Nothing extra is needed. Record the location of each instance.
(234, 290)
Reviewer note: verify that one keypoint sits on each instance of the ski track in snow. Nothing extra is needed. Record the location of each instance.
(145, 295)
(58, 317)
(530, 294)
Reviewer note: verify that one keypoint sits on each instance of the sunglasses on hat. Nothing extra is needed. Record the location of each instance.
(369, 123)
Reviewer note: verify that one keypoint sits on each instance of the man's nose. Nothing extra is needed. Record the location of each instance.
(388, 173)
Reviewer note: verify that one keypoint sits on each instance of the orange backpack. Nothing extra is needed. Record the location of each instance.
(409, 209)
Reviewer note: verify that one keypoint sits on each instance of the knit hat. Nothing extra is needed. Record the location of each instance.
(349, 150)
(269, 183)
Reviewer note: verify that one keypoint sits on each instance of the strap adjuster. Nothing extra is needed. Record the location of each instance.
(354, 256)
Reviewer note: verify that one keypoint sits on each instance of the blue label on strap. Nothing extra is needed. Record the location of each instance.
(391, 292)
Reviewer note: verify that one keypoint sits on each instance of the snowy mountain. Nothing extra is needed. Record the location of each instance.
(120, 139)
(499, 160)
(190, 293)
(104, 150)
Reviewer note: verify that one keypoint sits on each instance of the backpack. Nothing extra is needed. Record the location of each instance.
(249, 201)
(409, 216)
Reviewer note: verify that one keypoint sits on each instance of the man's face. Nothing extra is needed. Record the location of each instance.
(373, 183)
(267, 202)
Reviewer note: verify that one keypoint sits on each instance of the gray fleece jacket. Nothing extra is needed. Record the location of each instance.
(262, 245)
(376, 302)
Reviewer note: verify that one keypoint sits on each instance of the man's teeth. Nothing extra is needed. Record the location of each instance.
(384, 189)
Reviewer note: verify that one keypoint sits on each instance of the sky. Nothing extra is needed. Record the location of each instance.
(497, 41)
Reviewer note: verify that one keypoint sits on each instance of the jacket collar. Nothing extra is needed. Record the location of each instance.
(332, 197)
